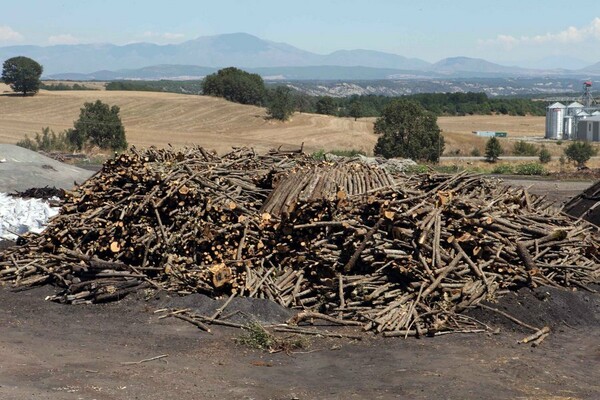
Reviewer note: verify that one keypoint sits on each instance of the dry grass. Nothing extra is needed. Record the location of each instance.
(162, 118)
(517, 127)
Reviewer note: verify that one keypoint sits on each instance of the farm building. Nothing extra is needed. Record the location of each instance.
(566, 121)
(589, 129)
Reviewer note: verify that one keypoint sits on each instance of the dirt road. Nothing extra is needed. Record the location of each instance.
(52, 351)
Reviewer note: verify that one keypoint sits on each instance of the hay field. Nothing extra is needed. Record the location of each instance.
(162, 118)
(458, 131)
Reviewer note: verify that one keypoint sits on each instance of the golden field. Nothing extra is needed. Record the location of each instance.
(166, 118)
(162, 118)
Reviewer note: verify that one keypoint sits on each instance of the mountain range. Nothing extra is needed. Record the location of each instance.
(198, 57)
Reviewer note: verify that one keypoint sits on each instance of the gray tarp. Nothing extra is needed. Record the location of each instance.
(21, 169)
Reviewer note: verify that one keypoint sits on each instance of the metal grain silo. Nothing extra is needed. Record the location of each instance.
(555, 114)
(569, 127)
(574, 108)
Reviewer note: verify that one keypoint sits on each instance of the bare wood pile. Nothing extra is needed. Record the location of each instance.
(317, 183)
(403, 257)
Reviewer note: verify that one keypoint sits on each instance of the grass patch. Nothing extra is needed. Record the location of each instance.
(503, 169)
(530, 169)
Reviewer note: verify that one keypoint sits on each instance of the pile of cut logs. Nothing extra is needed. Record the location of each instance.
(402, 255)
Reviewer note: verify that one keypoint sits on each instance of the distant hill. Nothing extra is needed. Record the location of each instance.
(195, 58)
(185, 72)
(238, 49)
(594, 69)
(462, 65)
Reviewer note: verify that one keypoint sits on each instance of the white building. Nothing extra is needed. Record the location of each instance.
(589, 129)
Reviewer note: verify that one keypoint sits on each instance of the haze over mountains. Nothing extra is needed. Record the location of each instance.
(198, 57)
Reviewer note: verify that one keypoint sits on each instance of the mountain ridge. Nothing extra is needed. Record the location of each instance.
(251, 52)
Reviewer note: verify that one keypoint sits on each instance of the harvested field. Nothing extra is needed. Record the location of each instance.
(157, 119)
(527, 126)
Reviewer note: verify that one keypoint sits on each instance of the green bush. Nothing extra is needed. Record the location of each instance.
(545, 156)
(530, 169)
(522, 148)
(475, 152)
(503, 169)
(47, 141)
(580, 153)
(417, 169)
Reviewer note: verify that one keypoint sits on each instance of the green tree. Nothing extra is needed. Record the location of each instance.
(22, 74)
(545, 156)
(326, 105)
(408, 130)
(493, 150)
(580, 153)
(99, 124)
(356, 110)
(281, 103)
(235, 85)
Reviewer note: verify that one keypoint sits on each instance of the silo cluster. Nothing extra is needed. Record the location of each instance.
(562, 121)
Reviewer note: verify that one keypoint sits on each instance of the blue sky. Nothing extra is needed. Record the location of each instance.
(505, 31)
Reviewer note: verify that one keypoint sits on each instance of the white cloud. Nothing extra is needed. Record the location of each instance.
(166, 36)
(7, 34)
(64, 38)
(570, 35)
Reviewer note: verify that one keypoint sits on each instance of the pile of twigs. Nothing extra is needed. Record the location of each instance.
(400, 255)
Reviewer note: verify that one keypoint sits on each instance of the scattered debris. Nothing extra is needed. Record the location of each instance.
(45, 193)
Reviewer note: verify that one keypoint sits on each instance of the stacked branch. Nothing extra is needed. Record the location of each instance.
(399, 255)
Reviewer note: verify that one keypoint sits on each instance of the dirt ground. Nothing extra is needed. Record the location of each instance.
(54, 351)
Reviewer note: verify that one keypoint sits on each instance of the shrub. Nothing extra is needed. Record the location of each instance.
(47, 141)
(580, 153)
(522, 148)
(545, 156)
(475, 152)
(417, 169)
(530, 169)
(503, 169)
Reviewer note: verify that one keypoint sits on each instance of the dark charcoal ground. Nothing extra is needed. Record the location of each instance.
(544, 306)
